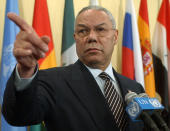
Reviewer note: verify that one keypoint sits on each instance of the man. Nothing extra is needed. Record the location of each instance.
(69, 98)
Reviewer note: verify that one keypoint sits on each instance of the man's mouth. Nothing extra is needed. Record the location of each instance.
(92, 50)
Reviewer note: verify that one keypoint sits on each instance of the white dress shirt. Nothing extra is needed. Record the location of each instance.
(101, 82)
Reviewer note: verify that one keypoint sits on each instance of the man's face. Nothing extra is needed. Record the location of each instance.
(95, 38)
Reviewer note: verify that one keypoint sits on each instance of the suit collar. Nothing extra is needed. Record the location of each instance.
(96, 72)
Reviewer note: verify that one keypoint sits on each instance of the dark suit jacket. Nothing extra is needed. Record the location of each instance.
(66, 99)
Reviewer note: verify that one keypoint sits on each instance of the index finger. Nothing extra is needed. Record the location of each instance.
(20, 22)
(31, 34)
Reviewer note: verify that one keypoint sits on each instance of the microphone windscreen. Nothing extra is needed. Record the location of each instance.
(129, 97)
(143, 95)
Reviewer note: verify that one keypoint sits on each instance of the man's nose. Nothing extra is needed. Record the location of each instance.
(92, 34)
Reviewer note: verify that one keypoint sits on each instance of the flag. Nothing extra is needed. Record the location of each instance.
(94, 2)
(8, 61)
(39, 127)
(131, 52)
(161, 51)
(68, 50)
(144, 33)
(41, 24)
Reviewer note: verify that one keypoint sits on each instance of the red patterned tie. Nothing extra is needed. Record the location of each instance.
(115, 102)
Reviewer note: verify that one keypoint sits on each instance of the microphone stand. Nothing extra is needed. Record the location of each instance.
(148, 121)
(159, 121)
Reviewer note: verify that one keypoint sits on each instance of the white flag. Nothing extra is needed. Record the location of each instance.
(94, 2)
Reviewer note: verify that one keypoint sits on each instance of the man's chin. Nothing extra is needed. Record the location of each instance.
(92, 62)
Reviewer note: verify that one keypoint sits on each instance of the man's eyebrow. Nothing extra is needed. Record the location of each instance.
(83, 25)
(100, 24)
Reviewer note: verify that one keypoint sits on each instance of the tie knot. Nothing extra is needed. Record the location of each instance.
(104, 76)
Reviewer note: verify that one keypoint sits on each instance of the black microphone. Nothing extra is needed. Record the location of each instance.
(157, 117)
(136, 110)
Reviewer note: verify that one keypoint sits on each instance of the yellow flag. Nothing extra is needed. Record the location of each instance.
(144, 33)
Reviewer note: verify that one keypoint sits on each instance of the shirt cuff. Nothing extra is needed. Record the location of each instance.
(22, 83)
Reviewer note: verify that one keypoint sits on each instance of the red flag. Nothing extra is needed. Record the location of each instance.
(41, 24)
(161, 52)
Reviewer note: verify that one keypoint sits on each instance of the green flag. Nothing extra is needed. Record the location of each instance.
(39, 127)
(69, 55)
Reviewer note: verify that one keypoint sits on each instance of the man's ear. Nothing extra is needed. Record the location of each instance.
(74, 35)
(115, 37)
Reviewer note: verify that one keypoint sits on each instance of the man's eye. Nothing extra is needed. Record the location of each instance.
(100, 29)
(82, 31)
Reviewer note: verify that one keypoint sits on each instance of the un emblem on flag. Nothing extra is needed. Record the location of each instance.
(8, 60)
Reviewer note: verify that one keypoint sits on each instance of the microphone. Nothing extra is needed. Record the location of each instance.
(157, 117)
(137, 108)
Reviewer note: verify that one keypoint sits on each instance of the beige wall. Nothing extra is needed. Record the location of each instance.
(56, 8)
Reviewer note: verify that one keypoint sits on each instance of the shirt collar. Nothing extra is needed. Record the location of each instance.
(96, 72)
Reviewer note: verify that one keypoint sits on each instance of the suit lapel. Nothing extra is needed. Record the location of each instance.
(85, 87)
(121, 83)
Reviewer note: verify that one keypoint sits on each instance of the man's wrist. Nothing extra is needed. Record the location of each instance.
(22, 83)
(25, 72)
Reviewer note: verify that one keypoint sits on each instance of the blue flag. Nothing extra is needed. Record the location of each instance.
(8, 61)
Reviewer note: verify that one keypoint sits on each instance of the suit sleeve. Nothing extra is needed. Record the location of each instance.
(26, 107)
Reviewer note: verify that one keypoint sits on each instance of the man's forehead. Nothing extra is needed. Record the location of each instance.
(92, 16)
(92, 12)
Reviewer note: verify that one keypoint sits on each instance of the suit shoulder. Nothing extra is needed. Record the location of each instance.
(130, 84)
(126, 79)
(56, 70)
